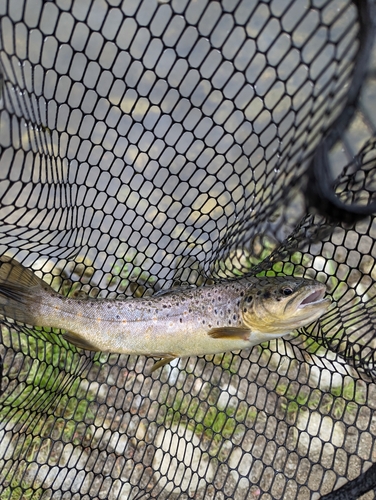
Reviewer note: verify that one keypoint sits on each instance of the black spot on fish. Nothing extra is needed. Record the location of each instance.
(249, 299)
(245, 310)
(267, 295)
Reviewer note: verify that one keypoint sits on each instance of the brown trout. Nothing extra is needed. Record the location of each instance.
(227, 316)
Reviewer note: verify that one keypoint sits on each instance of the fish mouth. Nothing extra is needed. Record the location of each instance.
(313, 298)
(308, 301)
(310, 306)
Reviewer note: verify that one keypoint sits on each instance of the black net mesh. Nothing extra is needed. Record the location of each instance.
(148, 144)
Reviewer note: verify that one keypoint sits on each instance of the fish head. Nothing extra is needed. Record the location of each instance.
(278, 305)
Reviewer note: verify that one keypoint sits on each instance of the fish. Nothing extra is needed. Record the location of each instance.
(188, 321)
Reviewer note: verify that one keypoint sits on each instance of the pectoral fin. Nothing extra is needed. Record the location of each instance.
(229, 333)
(79, 341)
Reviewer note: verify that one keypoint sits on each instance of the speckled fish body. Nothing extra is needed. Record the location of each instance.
(227, 316)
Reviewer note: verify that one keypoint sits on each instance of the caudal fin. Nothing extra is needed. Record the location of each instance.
(21, 291)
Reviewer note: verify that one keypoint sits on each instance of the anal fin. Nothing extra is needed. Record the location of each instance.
(230, 333)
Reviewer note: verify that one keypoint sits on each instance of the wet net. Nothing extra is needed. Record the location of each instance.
(149, 144)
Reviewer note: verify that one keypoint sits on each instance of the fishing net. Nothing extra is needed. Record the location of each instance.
(150, 144)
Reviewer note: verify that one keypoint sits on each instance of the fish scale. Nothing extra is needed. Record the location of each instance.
(227, 316)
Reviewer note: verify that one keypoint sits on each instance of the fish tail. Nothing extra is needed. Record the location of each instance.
(21, 292)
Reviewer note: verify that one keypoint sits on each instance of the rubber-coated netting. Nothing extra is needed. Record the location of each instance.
(147, 144)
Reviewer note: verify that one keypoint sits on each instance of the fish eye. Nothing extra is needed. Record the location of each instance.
(286, 291)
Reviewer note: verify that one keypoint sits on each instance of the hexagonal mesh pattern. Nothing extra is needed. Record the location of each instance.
(147, 144)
